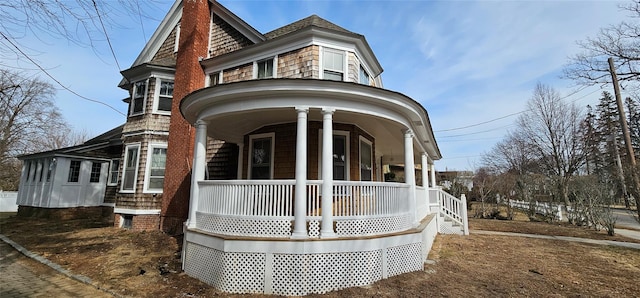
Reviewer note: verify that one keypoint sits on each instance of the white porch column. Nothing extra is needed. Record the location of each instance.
(240, 155)
(433, 175)
(425, 170)
(425, 181)
(410, 172)
(300, 221)
(197, 171)
(326, 230)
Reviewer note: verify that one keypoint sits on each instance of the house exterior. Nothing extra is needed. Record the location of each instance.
(269, 152)
(82, 177)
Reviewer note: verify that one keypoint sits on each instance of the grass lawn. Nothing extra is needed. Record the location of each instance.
(147, 264)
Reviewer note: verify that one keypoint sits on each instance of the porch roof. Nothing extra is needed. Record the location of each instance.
(235, 109)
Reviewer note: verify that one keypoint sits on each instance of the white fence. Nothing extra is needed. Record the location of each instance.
(8, 201)
(544, 208)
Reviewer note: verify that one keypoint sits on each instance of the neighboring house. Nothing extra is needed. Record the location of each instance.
(448, 178)
(269, 152)
(79, 176)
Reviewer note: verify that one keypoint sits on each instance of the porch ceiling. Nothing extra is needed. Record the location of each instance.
(235, 109)
(388, 134)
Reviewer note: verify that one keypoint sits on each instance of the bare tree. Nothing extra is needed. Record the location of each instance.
(621, 41)
(28, 119)
(82, 22)
(551, 127)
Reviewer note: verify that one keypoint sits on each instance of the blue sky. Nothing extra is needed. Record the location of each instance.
(466, 62)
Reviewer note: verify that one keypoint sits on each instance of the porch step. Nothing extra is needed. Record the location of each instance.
(449, 227)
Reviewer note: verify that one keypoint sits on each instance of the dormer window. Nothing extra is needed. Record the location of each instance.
(165, 95)
(364, 77)
(137, 98)
(333, 64)
(264, 69)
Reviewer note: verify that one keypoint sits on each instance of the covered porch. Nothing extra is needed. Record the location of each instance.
(310, 202)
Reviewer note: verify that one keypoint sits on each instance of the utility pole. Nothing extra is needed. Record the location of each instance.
(635, 182)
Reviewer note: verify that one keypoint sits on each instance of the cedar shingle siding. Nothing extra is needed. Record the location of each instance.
(225, 39)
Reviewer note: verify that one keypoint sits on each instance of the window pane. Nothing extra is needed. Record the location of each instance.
(96, 167)
(137, 105)
(74, 171)
(164, 103)
(166, 88)
(332, 75)
(41, 169)
(132, 157)
(214, 79)
(365, 161)
(156, 183)
(137, 100)
(52, 164)
(140, 88)
(333, 60)
(339, 157)
(364, 77)
(261, 159)
(157, 167)
(265, 69)
(113, 172)
(128, 179)
(127, 183)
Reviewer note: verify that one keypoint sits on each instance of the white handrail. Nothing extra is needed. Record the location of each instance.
(453, 208)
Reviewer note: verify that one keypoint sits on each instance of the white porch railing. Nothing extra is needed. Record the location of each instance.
(264, 208)
(452, 208)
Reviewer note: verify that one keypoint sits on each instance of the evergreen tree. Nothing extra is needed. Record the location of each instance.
(633, 119)
(610, 170)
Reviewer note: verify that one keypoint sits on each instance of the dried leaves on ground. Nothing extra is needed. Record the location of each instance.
(147, 264)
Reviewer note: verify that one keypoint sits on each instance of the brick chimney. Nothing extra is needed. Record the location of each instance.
(189, 76)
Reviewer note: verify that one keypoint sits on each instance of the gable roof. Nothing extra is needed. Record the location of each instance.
(312, 20)
(110, 138)
(172, 19)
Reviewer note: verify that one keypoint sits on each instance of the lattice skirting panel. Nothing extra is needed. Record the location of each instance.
(447, 227)
(239, 226)
(228, 271)
(372, 226)
(296, 268)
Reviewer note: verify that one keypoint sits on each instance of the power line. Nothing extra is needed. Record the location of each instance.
(113, 53)
(468, 140)
(513, 114)
(56, 80)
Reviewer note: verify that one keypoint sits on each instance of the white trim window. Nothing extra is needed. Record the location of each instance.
(96, 171)
(261, 153)
(264, 69)
(130, 170)
(340, 155)
(333, 64)
(364, 77)
(366, 160)
(114, 171)
(74, 171)
(164, 96)
(137, 98)
(156, 163)
(215, 78)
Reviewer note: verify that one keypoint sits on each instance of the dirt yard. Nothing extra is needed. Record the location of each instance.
(146, 264)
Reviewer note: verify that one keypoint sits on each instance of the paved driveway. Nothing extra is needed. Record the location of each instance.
(24, 277)
(625, 219)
